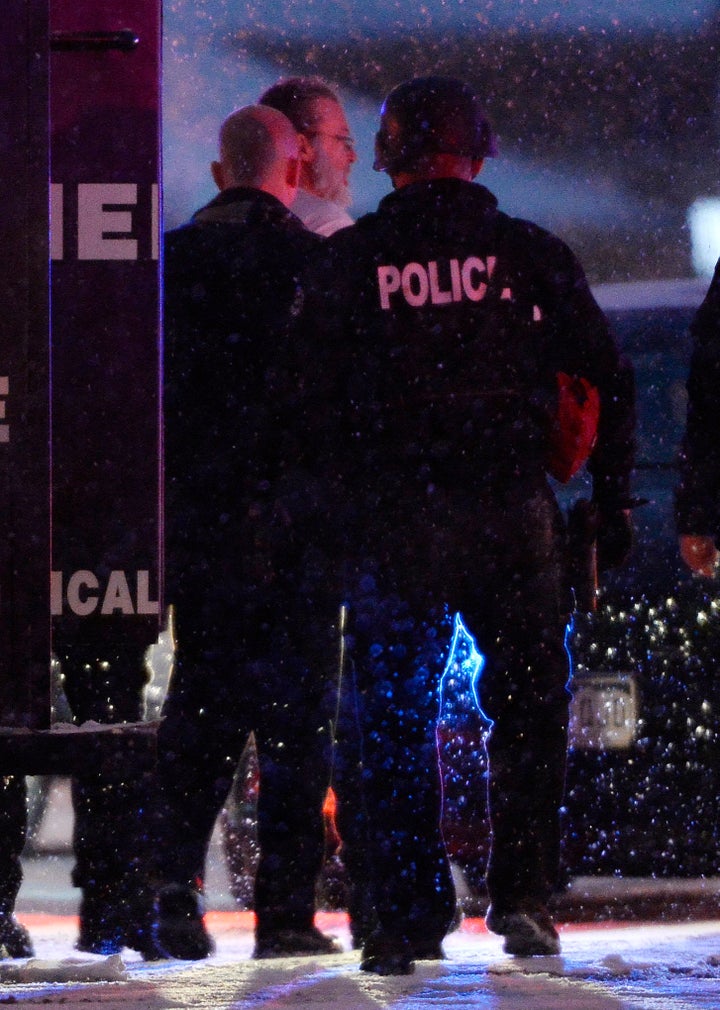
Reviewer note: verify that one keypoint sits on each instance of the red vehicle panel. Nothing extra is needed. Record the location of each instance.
(106, 430)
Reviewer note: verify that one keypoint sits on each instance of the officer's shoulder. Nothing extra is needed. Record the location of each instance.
(304, 239)
(526, 230)
(530, 240)
(187, 245)
(352, 232)
(292, 241)
(348, 241)
(176, 236)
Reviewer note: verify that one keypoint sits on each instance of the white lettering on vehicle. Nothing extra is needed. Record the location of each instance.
(83, 594)
(437, 282)
(101, 230)
(106, 225)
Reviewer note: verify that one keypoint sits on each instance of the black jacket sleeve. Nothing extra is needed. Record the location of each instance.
(583, 344)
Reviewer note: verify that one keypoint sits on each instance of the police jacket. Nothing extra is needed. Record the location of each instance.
(698, 495)
(230, 294)
(440, 324)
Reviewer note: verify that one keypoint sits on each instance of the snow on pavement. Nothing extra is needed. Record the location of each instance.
(602, 967)
(652, 967)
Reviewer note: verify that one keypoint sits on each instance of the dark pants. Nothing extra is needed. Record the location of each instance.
(497, 558)
(13, 821)
(104, 680)
(391, 823)
(251, 657)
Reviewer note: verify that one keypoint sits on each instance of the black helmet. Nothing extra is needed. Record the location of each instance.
(430, 115)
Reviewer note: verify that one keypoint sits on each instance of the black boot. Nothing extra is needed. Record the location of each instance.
(294, 943)
(112, 918)
(14, 938)
(384, 954)
(179, 930)
(100, 931)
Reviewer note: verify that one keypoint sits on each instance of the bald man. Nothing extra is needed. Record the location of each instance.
(244, 560)
(258, 150)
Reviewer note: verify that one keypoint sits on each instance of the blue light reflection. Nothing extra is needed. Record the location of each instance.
(463, 669)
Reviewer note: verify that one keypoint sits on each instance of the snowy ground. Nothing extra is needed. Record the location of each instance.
(658, 967)
(608, 967)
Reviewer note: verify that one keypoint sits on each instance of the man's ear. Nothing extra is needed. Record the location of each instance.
(292, 173)
(307, 151)
(476, 166)
(218, 174)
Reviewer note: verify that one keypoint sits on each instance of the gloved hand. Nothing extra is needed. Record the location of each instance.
(699, 553)
(614, 537)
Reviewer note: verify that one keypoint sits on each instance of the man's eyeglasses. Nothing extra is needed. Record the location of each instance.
(341, 138)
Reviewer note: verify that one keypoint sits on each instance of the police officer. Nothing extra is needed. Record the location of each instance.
(698, 494)
(436, 327)
(255, 641)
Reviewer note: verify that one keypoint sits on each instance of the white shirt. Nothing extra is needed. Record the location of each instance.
(319, 215)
